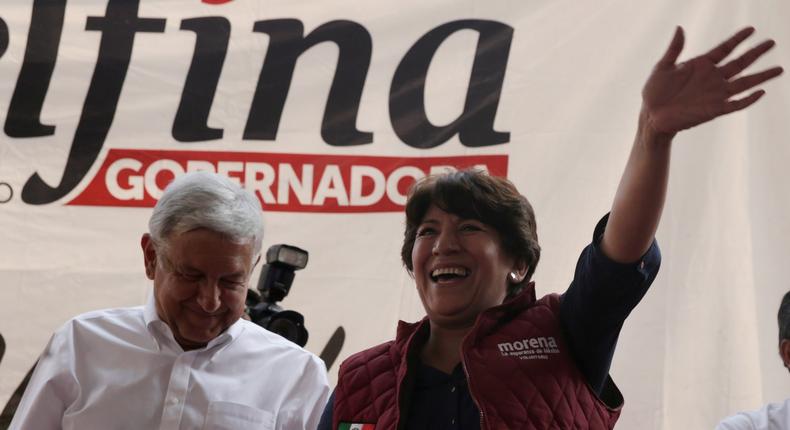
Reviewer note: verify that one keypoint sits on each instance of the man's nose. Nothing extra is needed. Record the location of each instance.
(208, 296)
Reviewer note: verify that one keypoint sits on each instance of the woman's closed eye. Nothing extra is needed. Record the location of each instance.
(425, 231)
(470, 227)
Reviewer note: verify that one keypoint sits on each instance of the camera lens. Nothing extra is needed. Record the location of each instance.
(289, 325)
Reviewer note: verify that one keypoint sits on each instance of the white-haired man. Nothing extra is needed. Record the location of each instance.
(186, 359)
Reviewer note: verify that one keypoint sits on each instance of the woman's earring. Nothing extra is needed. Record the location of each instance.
(513, 277)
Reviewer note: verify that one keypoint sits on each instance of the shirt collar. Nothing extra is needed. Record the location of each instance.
(149, 311)
(228, 335)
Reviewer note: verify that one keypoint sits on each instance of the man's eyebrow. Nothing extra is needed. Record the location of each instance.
(182, 267)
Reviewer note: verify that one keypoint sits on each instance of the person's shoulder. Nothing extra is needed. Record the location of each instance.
(779, 408)
(96, 328)
(110, 315)
(376, 349)
(775, 414)
(265, 337)
(550, 299)
(115, 319)
(740, 421)
(407, 333)
(765, 418)
(366, 355)
(265, 342)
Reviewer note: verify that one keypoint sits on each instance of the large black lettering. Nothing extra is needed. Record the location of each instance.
(475, 125)
(333, 347)
(13, 402)
(43, 40)
(211, 46)
(286, 45)
(3, 37)
(118, 28)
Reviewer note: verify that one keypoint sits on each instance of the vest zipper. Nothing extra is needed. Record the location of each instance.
(471, 391)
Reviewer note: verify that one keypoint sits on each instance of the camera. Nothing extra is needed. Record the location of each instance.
(274, 283)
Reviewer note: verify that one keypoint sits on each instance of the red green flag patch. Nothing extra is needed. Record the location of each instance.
(356, 426)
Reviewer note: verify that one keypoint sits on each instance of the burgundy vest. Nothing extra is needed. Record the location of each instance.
(519, 371)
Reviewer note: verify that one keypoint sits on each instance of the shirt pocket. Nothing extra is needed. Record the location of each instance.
(234, 416)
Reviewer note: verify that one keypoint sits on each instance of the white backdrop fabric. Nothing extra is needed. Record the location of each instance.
(701, 345)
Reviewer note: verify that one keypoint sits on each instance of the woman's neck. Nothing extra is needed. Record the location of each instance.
(442, 350)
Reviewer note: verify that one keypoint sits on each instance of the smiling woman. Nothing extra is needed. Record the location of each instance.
(483, 198)
(471, 245)
(489, 354)
(470, 241)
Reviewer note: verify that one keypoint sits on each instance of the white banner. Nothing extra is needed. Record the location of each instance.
(329, 110)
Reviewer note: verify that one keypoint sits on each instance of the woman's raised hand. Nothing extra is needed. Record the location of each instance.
(678, 96)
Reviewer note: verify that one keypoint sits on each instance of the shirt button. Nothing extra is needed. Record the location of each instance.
(452, 389)
(452, 421)
(173, 400)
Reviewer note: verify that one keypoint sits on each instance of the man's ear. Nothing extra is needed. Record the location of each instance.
(149, 255)
(784, 352)
(252, 269)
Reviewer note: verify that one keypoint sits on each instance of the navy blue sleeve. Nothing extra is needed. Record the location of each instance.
(599, 299)
(326, 417)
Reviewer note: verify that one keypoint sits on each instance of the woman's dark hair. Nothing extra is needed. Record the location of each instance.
(474, 194)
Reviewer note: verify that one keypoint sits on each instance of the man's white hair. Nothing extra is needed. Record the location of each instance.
(207, 200)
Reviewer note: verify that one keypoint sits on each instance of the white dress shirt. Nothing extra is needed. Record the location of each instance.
(774, 416)
(122, 369)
